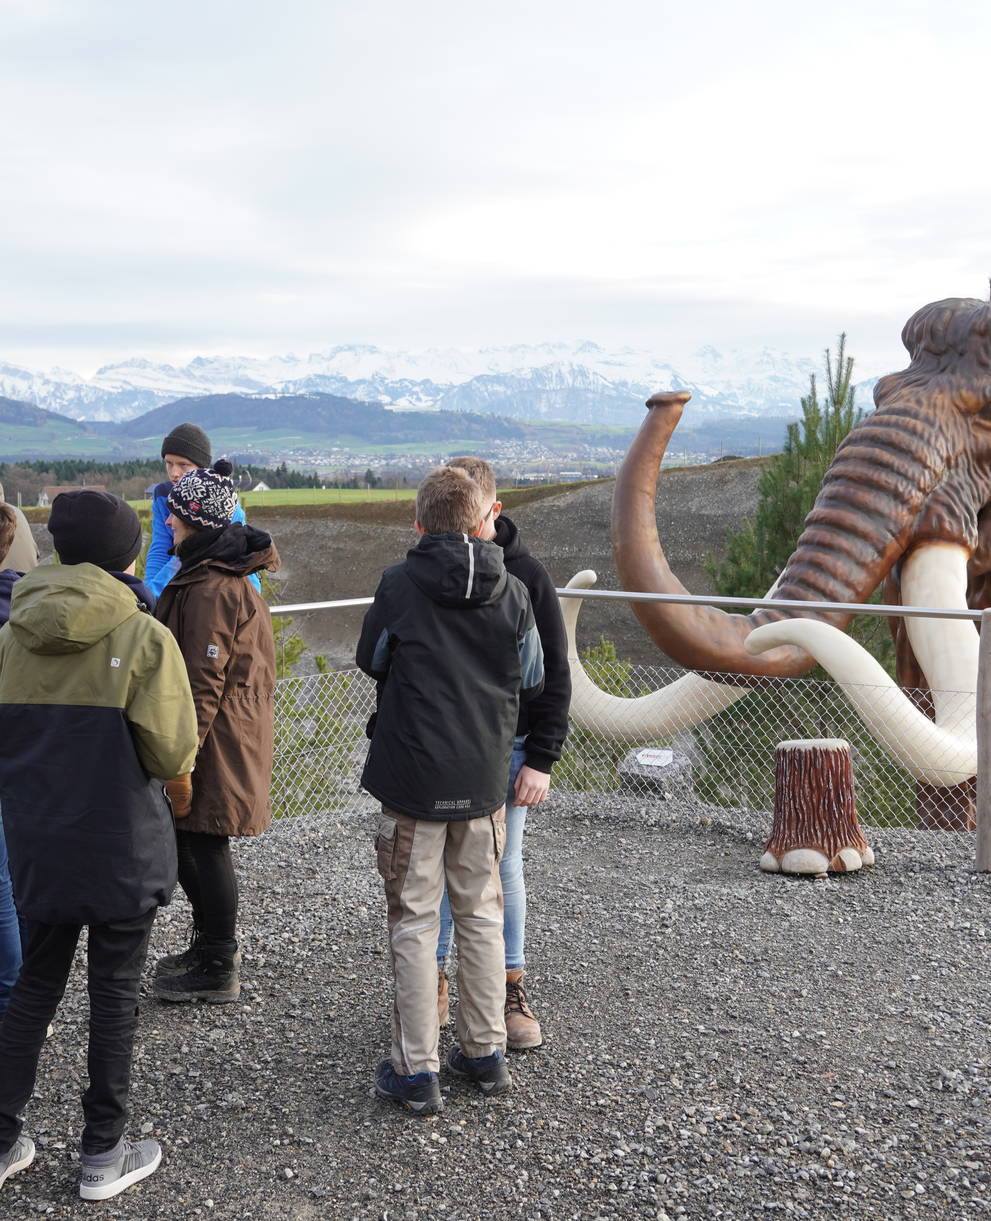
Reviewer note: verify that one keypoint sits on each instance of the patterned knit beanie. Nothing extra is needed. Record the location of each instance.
(205, 499)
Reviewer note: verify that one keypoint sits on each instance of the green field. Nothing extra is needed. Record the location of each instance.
(326, 496)
(338, 496)
(311, 496)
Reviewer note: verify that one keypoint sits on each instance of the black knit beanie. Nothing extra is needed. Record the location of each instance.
(91, 527)
(188, 441)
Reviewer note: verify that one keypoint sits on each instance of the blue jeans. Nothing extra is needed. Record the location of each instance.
(511, 875)
(10, 937)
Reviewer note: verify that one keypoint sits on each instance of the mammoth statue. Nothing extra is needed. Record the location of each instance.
(906, 504)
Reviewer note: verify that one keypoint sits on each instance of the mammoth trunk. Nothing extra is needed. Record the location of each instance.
(859, 527)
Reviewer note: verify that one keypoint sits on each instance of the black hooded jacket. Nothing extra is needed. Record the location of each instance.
(544, 719)
(451, 640)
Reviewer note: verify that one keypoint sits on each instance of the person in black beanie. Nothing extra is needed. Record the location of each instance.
(95, 713)
(185, 449)
(224, 630)
(96, 527)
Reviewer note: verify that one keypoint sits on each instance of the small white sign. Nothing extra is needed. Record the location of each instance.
(115, 662)
(212, 650)
(655, 757)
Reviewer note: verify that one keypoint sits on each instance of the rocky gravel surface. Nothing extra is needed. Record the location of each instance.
(720, 1043)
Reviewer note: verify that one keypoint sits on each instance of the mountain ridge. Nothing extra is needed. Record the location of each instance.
(577, 382)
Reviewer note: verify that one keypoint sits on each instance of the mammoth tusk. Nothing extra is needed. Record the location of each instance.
(938, 754)
(680, 705)
(935, 575)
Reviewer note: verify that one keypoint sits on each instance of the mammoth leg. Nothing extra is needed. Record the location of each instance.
(815, 813)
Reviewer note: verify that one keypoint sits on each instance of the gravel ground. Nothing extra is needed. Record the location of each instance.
(721, 1043)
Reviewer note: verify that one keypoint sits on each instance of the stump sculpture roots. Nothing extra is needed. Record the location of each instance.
(815, 815)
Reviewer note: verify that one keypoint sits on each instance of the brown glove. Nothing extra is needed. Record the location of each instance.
(180, 794)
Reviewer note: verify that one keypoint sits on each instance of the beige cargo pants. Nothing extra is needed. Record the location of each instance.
(414, 856)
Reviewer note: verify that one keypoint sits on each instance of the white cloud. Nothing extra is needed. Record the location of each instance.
(253, 176)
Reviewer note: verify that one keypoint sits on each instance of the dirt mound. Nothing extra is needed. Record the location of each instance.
(340, 554)
(338, 551)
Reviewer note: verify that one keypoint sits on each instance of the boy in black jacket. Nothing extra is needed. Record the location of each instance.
(540, 732)
(452, 642)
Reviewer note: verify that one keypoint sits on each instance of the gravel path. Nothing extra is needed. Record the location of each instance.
(721, 1043)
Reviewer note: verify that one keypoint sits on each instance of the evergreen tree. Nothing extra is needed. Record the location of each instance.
(789, 484)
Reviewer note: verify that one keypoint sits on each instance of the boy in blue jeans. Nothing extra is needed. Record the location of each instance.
(451, 641)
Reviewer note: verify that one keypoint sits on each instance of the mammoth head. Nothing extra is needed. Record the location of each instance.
(915, 472)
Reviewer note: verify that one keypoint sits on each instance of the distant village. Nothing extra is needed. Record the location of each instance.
(265, 470)
(514, 463)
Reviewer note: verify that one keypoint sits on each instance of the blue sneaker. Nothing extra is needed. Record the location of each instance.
(419, 1093)
(490, 1073)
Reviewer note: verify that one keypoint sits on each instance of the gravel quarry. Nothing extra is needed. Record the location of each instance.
(719, 1042)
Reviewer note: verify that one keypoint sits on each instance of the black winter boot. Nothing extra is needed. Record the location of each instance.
(178, 964)
(214, 976)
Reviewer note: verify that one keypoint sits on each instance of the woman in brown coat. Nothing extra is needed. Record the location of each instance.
(224, 630)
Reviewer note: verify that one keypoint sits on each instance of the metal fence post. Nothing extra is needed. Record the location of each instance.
(982, 858)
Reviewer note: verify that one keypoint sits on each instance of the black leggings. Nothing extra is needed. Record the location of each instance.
(206, 874)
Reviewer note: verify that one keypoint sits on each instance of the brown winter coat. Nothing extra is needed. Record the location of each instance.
(224, 631)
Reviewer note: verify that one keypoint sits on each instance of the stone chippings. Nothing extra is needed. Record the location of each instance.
(721, 1043)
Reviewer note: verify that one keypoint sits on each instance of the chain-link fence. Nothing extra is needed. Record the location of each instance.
(726, 761)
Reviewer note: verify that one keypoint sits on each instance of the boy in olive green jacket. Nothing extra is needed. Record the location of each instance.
(95, 714)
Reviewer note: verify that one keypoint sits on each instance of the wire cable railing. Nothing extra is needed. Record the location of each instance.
(724, 761)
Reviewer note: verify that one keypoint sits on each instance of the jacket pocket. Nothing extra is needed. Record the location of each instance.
(385, 848)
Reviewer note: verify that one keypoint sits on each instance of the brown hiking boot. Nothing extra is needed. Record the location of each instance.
(443, 998)
(522, 1027)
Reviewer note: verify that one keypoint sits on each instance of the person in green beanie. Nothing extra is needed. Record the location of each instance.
(186, 448)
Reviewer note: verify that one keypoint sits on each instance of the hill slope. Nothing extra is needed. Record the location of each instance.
(324, 415)
(18, 414)
(329, 559)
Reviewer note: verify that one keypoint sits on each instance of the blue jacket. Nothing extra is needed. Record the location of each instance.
(160, 567)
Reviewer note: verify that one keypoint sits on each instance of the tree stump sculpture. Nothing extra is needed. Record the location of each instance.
(815, 814)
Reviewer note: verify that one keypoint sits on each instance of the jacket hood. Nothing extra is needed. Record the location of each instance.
(242, 549)
(457, 569)
(66, 608)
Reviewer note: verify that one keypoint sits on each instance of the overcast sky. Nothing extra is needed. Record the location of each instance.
(241, 176)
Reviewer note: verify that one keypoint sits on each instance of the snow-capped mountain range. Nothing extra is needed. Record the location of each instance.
(581, 382)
